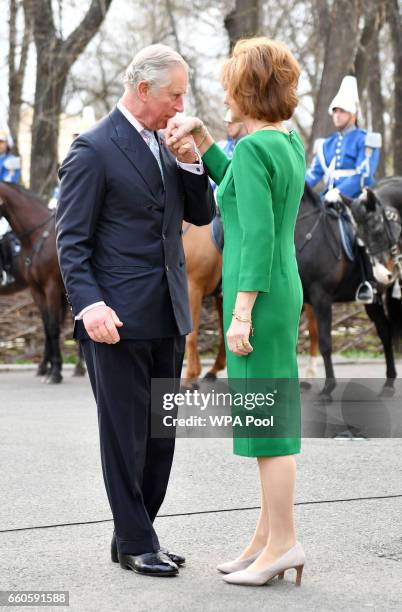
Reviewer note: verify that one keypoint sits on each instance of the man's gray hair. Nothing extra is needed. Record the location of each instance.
(152, 64)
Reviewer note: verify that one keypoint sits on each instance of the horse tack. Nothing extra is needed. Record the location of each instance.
(38, 245)
(322, 216)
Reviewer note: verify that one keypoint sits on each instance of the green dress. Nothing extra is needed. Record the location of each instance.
(259, 195)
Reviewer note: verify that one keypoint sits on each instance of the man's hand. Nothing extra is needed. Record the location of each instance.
(185, 150)
(101, 323)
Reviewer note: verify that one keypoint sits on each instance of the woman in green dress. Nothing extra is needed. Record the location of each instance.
(259, 195)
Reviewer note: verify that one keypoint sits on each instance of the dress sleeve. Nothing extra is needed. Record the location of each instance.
(253, 183)
(216, 162)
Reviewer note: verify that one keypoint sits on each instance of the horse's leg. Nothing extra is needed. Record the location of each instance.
(382, 324)
(193, 369)
(55, 315)
(40, 302)
(322, 306)
(311, 371)
(44, 365)
(80, 369)
(220, 361)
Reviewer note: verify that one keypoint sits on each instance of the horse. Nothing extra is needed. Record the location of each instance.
(38, 268)
(332, 277)
(377, 214)
(204, 273)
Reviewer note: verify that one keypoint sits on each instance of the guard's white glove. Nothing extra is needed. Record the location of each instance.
(12, 163)
(333, 195)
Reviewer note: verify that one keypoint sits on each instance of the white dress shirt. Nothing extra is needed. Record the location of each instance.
(194, 168)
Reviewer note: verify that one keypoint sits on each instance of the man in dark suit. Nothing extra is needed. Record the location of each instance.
(123, 198)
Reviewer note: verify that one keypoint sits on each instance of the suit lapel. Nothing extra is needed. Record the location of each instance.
(132, 145)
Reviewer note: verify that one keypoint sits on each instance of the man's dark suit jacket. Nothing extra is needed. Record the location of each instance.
(118, 228)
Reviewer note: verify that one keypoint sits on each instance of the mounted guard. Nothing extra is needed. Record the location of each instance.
(10, 172)
(347, 161)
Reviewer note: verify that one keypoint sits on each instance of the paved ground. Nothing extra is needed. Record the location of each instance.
(55, 523)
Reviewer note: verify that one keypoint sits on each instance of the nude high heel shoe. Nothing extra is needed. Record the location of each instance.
(236, 566)
(293, 558)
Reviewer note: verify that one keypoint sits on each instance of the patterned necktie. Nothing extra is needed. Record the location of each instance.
(151, 141)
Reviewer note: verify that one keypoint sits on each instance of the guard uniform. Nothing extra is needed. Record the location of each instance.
(346, 162)
(10, 168)
(10, 172)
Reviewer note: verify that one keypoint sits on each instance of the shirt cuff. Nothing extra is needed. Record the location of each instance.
(193, 168)
(84, 310)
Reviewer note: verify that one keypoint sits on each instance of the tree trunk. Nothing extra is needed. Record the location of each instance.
(55, 58)
(338, 61)
(395, 22)
(50, 83)
(377, 100)
(374, 13)
(243, 21)
(16, 73)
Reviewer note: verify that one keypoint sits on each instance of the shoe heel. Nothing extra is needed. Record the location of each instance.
(124, 565)
(299, 570)
(114, 557)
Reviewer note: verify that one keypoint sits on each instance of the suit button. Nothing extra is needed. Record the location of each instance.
(163, 236)
(167, 268)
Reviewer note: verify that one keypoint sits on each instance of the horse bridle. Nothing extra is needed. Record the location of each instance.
(392, 218)
(393, 228)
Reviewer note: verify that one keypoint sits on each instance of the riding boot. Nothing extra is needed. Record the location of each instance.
(6, 278)
(367, 290)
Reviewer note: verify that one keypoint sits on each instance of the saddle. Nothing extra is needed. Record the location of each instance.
(218, 240)
(217, 232)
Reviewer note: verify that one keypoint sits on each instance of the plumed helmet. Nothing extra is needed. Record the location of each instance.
(347, 97)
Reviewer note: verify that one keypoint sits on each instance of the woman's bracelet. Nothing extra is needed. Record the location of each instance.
(201, 128)
(244, 320)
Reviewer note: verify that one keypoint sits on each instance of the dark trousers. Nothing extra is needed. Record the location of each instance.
(135, 466)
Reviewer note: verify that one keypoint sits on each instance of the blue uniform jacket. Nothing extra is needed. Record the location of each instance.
(349, 150)
(10, 171)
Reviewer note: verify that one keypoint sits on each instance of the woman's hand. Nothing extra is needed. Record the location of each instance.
(179, 127)
(237, 338)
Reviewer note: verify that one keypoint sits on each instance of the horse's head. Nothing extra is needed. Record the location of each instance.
(379, 228)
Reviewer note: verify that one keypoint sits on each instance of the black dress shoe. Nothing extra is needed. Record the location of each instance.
(149, 564)
(177, 559)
